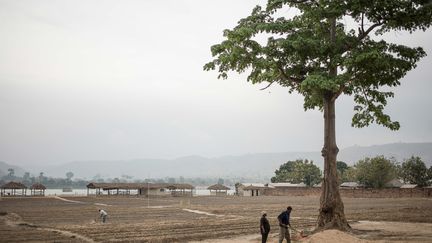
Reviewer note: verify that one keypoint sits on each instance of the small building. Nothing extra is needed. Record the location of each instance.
(395, 183)
(350, 185)
(37, 189)
(13, 189)
(180, 190)
(286, 184)
(285, 188)
(408, 186)
(218, 190)
(251, 189)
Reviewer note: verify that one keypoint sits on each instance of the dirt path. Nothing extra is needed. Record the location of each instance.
(202, 212)
(80, 202)
(364, 232)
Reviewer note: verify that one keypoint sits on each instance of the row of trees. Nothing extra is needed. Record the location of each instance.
(372, 172)
(53, 183)
(50, 182)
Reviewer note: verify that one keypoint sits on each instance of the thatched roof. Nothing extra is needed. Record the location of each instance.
(131, 186)
(176, 186)
(38, 186)
(14, 185)
(111, 186)
(218, 187)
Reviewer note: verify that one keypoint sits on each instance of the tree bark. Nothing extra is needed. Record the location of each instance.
(331, 213)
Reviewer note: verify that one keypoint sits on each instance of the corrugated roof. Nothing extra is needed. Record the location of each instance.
(14, 185)
(394, 183)
(350, 184)
(219, 187)
(286, 184)
(252, 184)
(409, 186)
(252, 187)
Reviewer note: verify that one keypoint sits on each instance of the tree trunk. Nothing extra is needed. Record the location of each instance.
(331, 213)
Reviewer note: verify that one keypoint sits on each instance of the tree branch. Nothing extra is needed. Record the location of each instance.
(289, 78)
(340, 90)
(300, 1)
(363, 34)
(365, 96)
(267, 86)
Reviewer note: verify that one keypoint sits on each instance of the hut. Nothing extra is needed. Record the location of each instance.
(286, 185)
(250, 189)
(146, 189)
(218, 190)
(115, 189)
(37, 189)
(286, 188)
(13, 189)
(180, 190)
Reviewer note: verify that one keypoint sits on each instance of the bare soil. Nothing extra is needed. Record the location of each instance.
(226, 219)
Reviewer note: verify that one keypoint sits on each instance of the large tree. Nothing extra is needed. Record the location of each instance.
(323, 52)
(376, 172)
(414, 170)
(298, 171)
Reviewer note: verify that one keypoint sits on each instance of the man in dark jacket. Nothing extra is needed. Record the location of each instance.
(264, 227)
(284, 222)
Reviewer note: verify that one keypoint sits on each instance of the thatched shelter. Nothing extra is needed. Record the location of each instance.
(13, 189)
(218, 190)
(180, 190)
(155, 189)
(37, 189)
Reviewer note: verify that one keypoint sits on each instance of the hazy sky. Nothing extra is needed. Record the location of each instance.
(90, 80)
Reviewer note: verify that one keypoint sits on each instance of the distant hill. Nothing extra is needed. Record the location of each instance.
(259, 165)
(400, 151)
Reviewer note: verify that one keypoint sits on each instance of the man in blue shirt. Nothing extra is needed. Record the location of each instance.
(284, 222)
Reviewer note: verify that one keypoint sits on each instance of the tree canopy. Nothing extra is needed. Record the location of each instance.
(298, 171)
(375, 172)
(299, 52)
(414, 171)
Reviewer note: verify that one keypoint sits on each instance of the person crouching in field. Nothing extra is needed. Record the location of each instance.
(284, 222)
(264, 227)
(103, 215)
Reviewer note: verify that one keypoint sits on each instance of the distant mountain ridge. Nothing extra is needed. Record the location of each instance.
(400, 151)
(258, 165)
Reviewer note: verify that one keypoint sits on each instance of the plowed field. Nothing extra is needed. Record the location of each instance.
(75, 219)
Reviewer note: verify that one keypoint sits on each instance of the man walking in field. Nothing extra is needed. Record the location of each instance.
(264, 227)
(284, 222)
(103, 215)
